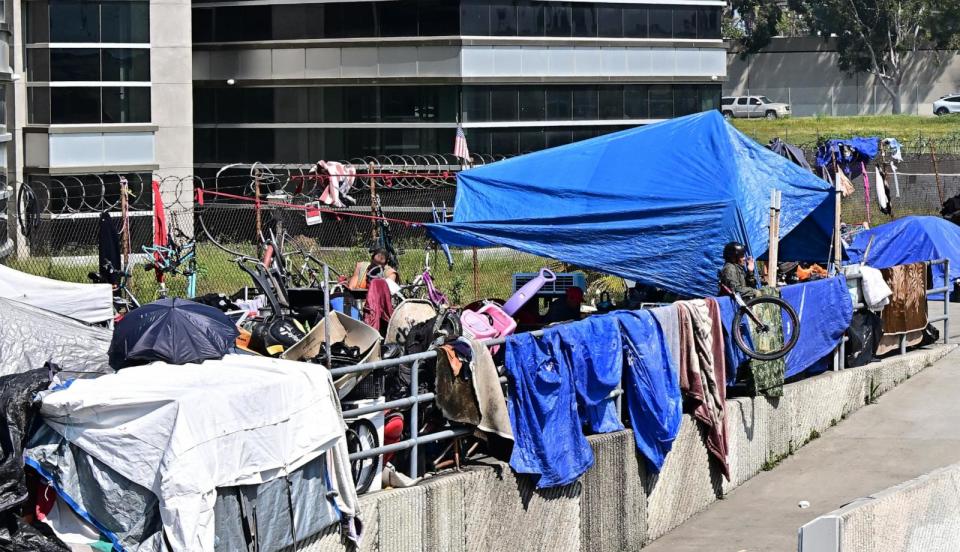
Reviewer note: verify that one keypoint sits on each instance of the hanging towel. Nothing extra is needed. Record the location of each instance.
(592, 348)
(876, 292)
(669, 322)
(331, 192)
(702, 372)
(866, 189)
(896, 180)
(494, 417)
(844, 184)
(548, 440)
(652, 381)
(882, 192)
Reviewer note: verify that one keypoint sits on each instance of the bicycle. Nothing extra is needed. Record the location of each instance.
(177, 259)
(124, 300)
(422, 287)
(748, 311)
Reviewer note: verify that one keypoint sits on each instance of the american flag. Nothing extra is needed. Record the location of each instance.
(460, 148)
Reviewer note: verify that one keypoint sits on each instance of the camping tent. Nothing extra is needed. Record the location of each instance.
(910, 240)
(653, 204)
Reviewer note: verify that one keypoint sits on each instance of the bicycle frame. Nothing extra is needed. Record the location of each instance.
(172, 260)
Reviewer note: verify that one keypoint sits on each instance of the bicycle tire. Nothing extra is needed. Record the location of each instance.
(738, 328)
(364, 471)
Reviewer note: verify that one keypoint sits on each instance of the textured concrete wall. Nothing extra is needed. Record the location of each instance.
(918, 515)
(805, 72)
(619, 504)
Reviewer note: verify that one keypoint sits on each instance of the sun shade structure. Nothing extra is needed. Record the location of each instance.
(910, 240)
(653, 204)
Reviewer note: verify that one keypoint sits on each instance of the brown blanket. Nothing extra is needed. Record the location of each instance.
(703, 372)
(907, 311)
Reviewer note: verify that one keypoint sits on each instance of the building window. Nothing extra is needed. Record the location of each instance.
(94, 21)
(635, 105)
(504, 104)
(126, 105)
(525, 18)
(125, 64)
(75, 105)
(661, 101)
(75, 64)
(532, 104)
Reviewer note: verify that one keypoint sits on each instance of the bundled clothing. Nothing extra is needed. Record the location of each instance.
(468, 388)
(703, 372)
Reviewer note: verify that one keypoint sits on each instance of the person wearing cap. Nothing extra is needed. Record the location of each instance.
(737, 272)
(565, 308)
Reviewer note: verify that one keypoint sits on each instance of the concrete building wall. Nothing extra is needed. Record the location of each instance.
(804, 73)
(618, 504)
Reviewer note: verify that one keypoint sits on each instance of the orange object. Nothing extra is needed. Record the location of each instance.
(804, 274)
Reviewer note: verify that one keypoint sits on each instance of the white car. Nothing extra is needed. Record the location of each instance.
(947, 104)
(752, 107)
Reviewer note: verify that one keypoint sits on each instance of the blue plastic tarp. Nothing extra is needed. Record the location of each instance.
(654, 204)
(911, 240)
(652, 386)
(824, 311)
(850, 154)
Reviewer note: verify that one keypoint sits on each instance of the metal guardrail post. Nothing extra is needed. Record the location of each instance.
(946, 302)
(414, 417)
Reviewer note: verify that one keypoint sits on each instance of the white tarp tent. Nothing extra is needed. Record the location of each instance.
(183, 431)
(91, 303)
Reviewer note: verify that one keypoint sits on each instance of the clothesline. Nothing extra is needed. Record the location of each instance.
(201, 192)
(387, 176)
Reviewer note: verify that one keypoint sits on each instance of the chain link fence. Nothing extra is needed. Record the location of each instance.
(51, 224)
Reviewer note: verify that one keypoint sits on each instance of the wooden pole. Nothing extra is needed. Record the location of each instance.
(773, 249)
(936, 172)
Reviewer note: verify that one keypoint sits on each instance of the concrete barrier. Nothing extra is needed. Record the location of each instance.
(619, 504)
(920, 515)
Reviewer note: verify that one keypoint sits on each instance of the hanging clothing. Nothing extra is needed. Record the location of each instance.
(108, 250)
(548, 441)
(494, 417)
(475, 398)
(882, 192)
(652, 383)
(379, 305)
(906, 315)
(896, 156)
(703, 373)
(160, 229)
(844, 184)
(768, 374)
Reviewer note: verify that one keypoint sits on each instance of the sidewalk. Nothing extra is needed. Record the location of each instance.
(910, 431)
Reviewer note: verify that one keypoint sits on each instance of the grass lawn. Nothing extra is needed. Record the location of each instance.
(905, 128)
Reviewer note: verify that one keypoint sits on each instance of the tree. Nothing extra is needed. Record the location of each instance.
(879, 36)
(751, 23)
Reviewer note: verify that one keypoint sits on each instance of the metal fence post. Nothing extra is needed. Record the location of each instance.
(414, 418)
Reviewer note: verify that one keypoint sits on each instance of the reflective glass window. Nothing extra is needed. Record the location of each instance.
(661, 101)
(475, 17)
(532, 104)
(125, 22)
(661, 23)
(611, 102)
(610, 22)
(126, 105)
(504, 104)
(75, 105)
(635, 104)
(635, 22)
(530, 19)
(123, 64)
(503, 18)
(397, 18)
(684, 22)
(559, 100)
(585, 104)
(75, 64)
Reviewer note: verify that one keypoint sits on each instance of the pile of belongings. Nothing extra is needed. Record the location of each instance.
(341, 355)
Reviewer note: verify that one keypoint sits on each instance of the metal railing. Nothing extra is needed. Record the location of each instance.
(840, 354)
(414, 399)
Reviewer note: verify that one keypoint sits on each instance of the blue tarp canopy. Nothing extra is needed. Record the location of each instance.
(653, 204)
(911, 240)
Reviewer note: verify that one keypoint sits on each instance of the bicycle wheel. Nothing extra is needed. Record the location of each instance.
(742, 323)
(362, 436)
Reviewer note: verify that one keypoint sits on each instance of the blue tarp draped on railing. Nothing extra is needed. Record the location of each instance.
(824, 310)
(653, 204)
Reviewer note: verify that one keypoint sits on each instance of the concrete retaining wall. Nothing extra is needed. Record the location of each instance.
(619, 504)
(918, 515)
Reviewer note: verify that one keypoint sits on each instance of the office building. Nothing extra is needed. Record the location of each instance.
(282, 82)
(103, 87)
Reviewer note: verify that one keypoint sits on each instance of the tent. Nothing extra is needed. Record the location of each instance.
(910, 240)
(91, 303)
(653, 204)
